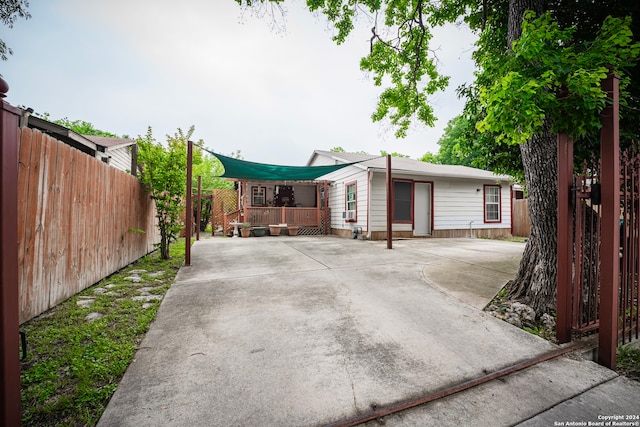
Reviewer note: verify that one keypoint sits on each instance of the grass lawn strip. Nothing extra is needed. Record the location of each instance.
(79, 350)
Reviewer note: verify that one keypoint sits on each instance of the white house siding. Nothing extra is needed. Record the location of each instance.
(338, 181)
(456, 202)
(459, 205)
(322, 161)
(120, 158)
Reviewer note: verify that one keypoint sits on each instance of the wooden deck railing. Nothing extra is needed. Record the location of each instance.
(303, 217)
(263, 216)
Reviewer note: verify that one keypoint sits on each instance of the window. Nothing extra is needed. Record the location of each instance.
(492, 202)
(258, 196)
(351, 202)
(402, 201)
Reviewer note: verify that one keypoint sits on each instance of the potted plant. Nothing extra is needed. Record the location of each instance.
(259, 231)
(245, 229)
(274, 229)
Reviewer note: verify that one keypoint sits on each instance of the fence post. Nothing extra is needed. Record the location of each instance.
(565, 238)
(9, 316)
(610, 252)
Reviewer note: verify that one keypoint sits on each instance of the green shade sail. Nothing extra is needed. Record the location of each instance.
(241, 169)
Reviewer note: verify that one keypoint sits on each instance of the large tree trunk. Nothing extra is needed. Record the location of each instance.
(535, 284)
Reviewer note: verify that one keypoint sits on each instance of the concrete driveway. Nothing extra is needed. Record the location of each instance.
(306, 331)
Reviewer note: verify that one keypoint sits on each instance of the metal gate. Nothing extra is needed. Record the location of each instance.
(587, 247)
(630, 245)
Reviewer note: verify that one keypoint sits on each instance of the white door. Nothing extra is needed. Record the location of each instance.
(422, 209)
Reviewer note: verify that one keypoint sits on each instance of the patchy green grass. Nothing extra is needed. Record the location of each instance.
(628, 362)
(73, 364)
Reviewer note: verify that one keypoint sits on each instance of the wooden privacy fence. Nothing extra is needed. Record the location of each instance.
(79, 220)
(520, 218)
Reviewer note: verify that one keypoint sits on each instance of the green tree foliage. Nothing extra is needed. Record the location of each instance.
(164, 175)
(393, 154)
(84, 128)
(429, 157)
(342, 150)
(10, 11)
(78, 126)
(209, 169)
(548, 76)
(453, 147)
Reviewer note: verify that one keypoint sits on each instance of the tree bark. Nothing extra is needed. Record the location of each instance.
(536, 281)
(535, 284)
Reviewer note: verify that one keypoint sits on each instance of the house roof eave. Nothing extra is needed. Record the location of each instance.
(445, 175)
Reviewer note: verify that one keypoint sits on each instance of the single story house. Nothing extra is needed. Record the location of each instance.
(428, 200)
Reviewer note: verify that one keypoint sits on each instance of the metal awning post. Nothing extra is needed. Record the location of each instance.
(188, 217)
(199, 208)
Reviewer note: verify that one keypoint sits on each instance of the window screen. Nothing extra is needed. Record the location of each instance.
(402, 201)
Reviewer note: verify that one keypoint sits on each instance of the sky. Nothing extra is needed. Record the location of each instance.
(274, 92)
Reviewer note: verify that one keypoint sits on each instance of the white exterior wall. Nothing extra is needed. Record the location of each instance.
(120, 158)
(337, 203)
(455, 203)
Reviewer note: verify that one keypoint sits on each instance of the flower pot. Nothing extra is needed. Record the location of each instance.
(274, 230)
(245, 232)
(259, 231)
(293, 231)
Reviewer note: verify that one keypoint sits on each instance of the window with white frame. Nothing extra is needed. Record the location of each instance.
(351, 202)
(492, 203)
(258, 196)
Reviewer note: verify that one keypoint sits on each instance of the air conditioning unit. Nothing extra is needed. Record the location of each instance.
(351, 215)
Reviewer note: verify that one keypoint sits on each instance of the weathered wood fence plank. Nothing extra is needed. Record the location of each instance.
(76, 221)
(521, 221)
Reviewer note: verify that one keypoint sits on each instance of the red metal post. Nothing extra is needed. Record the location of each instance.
(188, 217)
(9, 303)
(326, 207)
(318, 207)
(610, 256)
(389, 206)
(199, 208)
(565, 238)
